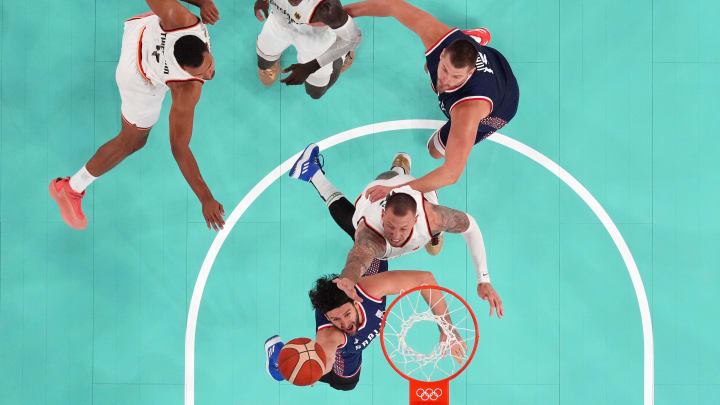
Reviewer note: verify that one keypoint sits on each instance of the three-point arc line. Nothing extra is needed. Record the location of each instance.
(537, 157)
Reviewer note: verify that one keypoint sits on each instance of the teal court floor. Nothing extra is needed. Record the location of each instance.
(624, 95)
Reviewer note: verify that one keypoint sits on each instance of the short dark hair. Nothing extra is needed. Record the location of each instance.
(326, 296)
(400, 204)
(462, 53)
(189, 51)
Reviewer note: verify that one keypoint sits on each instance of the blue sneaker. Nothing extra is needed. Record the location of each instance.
(272, 351)
(307, 164)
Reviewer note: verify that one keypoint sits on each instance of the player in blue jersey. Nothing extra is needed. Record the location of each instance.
(476, 88)
(344, 327)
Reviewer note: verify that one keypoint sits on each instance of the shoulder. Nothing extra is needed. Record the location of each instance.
(331, 13)
(330, 334)
(185, 92)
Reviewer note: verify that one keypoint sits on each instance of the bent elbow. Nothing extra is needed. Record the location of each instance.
(454, 177)
(430, 278)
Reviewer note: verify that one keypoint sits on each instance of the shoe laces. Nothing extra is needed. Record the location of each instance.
(74, 195)
(318, 162)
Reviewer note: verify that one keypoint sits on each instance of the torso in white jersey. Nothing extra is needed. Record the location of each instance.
(371, 214)
(155, 50)
(298, 17)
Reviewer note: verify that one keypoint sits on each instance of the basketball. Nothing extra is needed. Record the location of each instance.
(301, 361)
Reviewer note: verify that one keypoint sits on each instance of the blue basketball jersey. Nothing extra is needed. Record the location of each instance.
(348, 358)
(492, 80)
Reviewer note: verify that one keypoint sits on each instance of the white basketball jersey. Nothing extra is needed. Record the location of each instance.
(371, 214)
(298, 17)
(155, 51)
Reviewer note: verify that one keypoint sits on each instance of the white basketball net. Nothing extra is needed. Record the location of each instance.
(439, 363)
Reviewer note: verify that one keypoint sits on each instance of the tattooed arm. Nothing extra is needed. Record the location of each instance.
(444, 219)
(368, 246)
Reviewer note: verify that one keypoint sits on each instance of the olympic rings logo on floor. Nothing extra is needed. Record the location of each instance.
(429, 394)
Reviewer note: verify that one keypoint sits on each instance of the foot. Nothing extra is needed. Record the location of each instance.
(272, 351)
(69, 201)
(435, 245)
(402, 160)
(268, 76)
(481, 35)
(307, 164)
(349, 59)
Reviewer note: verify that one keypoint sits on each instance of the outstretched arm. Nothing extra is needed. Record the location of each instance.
(329, 339)
(446, 219)
(397, 281)
(451, 220)
(368, 245)
(464, 121)
(422, 23)
(185, 96)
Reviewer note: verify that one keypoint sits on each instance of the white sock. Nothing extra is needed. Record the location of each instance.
(81, 180)
(398, 170)
(323, 186)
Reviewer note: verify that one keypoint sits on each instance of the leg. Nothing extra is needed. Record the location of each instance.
(400, 165)
(386, 175)
(270, 45)
(318, 91)
(436, 143)
(268, 71)
(342, 212)
(130, 139)
(308, 168)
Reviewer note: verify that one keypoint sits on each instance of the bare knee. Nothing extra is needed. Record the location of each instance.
(140, 141)
(434, 152)
(132, 138)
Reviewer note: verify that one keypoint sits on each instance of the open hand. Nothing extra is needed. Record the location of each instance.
(375, 193)
(487, 293)
(213, 212)
(209, 13)
(459, 349)
(348, 286)
(299, 72)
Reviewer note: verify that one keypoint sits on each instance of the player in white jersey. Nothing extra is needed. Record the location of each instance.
(165, 49)
(396, 225)
(324, 36)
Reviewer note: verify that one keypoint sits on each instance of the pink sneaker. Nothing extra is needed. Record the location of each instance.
(481, 35)
(69, 202)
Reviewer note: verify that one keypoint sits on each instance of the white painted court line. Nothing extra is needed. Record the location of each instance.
(327, 143)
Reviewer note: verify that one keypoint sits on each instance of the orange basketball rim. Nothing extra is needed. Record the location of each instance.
(427, 388)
